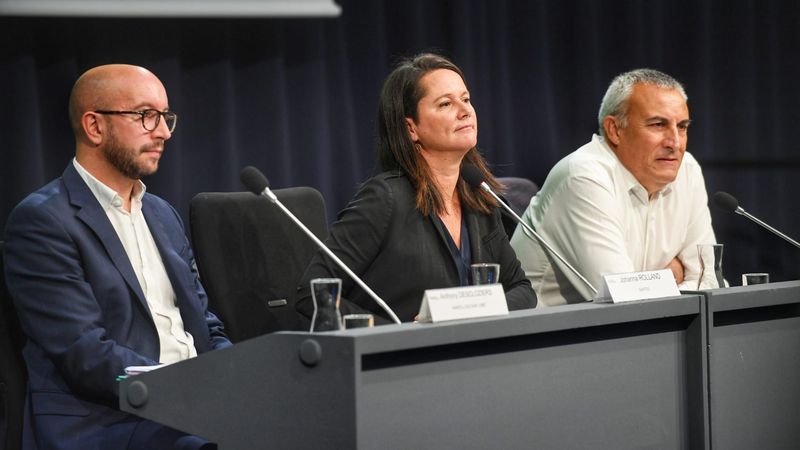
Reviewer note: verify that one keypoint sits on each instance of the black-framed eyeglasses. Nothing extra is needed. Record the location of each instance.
(150, 118)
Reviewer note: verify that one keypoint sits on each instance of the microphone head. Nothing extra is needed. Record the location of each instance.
(725, 201)
(471, 175)
(253, 180)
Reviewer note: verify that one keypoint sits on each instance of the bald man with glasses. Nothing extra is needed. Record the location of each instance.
(102, 274)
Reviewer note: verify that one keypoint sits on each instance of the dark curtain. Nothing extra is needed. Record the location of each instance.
(297, 97)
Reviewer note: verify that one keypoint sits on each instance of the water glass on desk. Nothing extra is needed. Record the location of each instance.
(485, 273)
(326, 293)
(710, 256)
(754, 278)
(358, 321)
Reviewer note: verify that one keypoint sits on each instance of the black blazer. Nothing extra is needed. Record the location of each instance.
(400, 253)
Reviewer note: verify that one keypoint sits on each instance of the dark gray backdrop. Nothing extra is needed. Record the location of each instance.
(297, 97)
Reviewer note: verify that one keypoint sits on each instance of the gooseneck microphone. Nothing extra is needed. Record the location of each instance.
(727, 202)
(475, 178)
(257, 183)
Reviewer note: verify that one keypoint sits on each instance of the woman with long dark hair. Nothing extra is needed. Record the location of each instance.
(417, 225)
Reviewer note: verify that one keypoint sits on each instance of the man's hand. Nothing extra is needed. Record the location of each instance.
(676, 266)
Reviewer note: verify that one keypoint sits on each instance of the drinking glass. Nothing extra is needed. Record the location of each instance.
(485, 273)
(749, 279)
(710, 266)
(326, 293)
(358, 321)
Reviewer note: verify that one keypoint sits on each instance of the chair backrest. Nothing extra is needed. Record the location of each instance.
(13, 376)
(251, 256)
(518, 192)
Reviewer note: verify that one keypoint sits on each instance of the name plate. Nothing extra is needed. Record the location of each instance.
(625, 287)
(465, 302)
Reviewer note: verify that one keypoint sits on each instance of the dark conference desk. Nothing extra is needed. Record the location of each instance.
(632, 375)
(754, 366)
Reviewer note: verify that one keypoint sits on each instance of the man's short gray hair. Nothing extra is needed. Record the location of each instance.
(615, 102)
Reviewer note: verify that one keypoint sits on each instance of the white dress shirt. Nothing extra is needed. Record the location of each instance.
(131, 227)
(595, 213)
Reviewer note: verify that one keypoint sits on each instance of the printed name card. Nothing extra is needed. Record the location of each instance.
(465, 302)
(625, 287)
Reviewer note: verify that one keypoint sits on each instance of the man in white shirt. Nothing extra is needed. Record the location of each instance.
(102, 275)
(630, 200)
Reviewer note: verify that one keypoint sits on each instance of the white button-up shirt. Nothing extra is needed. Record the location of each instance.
(131, 227)
(595, 213)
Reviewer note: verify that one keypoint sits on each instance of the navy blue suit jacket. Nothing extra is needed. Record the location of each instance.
(84, 312)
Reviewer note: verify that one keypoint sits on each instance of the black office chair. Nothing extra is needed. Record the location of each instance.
(13, 376)
(518, 192)
(251, 256)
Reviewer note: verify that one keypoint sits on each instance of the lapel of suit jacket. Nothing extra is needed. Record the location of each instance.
(439, 226)
(475, 236)
(193, 318)
(90, 213)
(444, 247)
